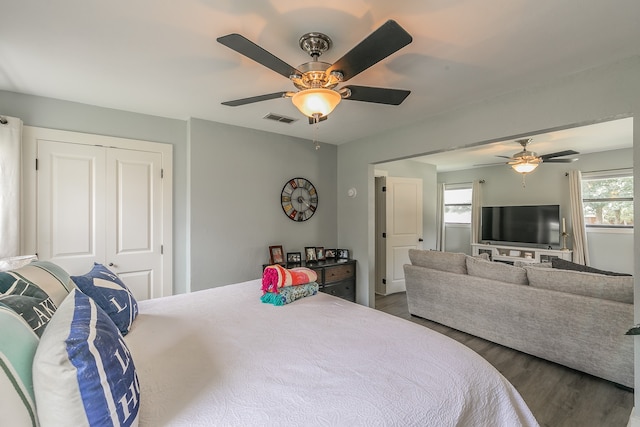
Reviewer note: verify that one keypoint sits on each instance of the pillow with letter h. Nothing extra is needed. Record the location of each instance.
(113, 296)
(83, 373)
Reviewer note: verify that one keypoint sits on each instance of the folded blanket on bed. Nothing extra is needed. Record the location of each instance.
(289, 294)
(276, 276)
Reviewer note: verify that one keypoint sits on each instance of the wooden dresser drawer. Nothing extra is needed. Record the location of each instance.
(346, 290)
(338, 273)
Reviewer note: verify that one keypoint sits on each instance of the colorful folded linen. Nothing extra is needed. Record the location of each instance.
(289, 294)
(276, 276)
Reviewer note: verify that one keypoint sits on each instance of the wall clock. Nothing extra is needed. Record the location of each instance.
(299, 199)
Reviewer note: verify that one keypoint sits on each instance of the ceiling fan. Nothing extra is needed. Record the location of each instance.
(526, 161)
(316, 80)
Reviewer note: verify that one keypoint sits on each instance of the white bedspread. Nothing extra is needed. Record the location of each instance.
(220, 357)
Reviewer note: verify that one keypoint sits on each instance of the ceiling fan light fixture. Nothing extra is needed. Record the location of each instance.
(525, 167)
(316, 101)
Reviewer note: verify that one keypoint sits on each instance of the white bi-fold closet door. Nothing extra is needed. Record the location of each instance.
(100, 203)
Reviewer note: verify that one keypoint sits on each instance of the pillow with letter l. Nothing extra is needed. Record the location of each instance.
(83, 373)
(113, 296)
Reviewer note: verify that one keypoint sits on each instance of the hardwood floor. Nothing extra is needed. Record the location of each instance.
(557, 396)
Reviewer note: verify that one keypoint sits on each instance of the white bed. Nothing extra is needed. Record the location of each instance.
(222, 357)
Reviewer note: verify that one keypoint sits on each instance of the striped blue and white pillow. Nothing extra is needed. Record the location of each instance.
(113, 296)
(18, 343)
(83, 373)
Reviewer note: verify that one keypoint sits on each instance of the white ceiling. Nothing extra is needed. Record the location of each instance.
(593, 138)
(162, 58)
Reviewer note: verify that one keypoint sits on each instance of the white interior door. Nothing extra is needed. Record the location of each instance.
(71, 205)
(404, 227)
(100, 199)
(133, 218)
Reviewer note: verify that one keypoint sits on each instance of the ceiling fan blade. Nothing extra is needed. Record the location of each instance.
(387, 39)
(559, 154)
(377, 94)
(505, 157)
(251, 50)
(560, 160)
(253, 99)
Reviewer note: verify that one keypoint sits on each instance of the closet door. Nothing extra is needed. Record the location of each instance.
(70, 218)
(133, 218)
(101, 204)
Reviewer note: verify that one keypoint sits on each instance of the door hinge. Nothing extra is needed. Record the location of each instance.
(161, 249)
(36, 164)
(161, 173)
(384, 281)
(384, 189)
(384, 235)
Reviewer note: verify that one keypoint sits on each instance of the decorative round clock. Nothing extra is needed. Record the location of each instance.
(299, 199)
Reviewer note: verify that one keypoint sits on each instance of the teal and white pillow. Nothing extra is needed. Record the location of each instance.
(18, 343)
(30, 302)
(83, 373)
(111, 294)
(49, 277)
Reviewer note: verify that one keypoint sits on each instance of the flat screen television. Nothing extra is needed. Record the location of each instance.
(535, 225)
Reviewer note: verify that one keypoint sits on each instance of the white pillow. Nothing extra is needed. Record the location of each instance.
(16, 262)
(83, 373)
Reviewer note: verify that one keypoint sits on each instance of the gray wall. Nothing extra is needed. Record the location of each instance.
(227, 184)
(236, 177)
(72, 116)
(548, 185)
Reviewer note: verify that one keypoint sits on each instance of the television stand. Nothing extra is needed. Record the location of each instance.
(518, 253)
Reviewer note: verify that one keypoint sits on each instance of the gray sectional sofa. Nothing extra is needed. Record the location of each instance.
(573, 318)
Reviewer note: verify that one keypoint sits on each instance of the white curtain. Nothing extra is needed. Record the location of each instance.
(10, 177)
(476, 211)
(440, 218)
(579, 232)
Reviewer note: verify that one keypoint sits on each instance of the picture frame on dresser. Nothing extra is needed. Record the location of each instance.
(276, 254)
(320, 254)
(329, 253)
(294, 257)
(342, 254)
(310, 254)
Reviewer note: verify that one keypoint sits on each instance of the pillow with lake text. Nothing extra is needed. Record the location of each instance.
(113, 296)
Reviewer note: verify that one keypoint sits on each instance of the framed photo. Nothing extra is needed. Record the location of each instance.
(329, 253)
(294, 257)
(343, 254)
(320, 253)
(276, 255)
(310, 254)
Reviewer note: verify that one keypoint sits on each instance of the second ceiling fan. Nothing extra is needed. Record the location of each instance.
(316, 81)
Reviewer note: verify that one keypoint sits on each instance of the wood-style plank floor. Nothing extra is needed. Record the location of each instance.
(557, 396)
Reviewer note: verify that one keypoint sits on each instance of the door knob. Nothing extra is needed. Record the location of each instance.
(111, 264)
(420, 239)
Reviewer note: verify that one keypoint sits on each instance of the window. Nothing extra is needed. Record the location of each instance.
(607, 198)
(457, 204)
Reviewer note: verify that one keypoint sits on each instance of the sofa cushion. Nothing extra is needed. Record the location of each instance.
(443, 261)
(496, 271)
(568, 265)
(614, 288)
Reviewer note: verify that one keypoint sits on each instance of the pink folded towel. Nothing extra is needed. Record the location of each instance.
(276, 276)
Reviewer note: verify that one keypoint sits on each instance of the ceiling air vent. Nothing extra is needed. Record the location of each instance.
(279, 118)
